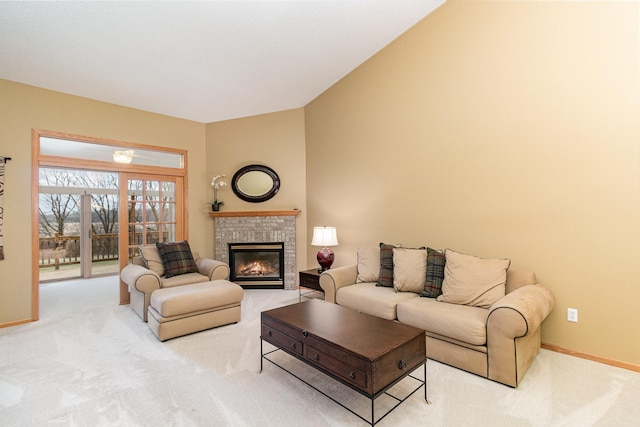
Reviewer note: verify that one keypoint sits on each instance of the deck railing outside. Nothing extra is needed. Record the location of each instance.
(65, 250)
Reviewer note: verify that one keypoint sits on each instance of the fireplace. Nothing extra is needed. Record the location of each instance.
(257, 265)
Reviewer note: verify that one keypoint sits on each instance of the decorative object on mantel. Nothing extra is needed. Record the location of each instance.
(217, 183)
(325, 236)
(3, 160)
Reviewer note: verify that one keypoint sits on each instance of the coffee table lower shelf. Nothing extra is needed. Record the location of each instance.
(372, 421)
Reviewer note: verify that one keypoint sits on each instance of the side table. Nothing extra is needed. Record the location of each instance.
(309, 279)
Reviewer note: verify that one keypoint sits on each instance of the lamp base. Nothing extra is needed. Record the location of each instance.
(325, 258)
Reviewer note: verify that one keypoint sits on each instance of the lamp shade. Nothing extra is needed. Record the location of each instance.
(324, 236)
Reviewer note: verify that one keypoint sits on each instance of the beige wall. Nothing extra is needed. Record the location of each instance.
(275, 140)
(23, 108)
(499, 129)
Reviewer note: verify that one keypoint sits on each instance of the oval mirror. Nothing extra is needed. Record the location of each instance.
(255, 183)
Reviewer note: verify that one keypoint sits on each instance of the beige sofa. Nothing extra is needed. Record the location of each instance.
(499, 342)
(145, 275)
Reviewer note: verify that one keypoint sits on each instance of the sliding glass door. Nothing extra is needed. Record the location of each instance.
(78, 224)
(152, 214)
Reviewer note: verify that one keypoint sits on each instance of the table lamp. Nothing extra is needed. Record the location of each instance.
(325, 236)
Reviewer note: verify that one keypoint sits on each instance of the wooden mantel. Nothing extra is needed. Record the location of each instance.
(221, 214)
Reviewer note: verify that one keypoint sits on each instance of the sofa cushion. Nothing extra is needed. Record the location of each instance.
(368, 264)
(176, 258)
(152, 259)
(371, 299)
(435, 273)
(182, 279)
(472, 280)
(409, 269)
(196, 298)
(385, 278)
(461, 322)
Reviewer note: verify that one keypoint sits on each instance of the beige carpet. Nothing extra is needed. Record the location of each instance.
(90, 362)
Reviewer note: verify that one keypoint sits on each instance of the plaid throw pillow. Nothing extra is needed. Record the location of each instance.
(176, 258)
(435, 273)
(386, 266)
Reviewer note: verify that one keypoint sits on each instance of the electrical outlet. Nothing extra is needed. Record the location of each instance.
(572, 315)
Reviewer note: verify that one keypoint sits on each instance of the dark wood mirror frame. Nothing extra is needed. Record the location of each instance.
(270, 173)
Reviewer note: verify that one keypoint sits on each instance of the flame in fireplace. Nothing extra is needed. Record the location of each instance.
(256, 269)
(253, 269)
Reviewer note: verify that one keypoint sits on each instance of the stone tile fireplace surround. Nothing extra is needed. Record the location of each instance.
(258, 227)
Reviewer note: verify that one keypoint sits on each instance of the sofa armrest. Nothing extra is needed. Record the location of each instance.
(336, 278)
(213, 269)
(513, 332)
(140, 278)
(527, 307)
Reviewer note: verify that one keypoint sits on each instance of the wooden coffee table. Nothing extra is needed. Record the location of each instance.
(364, 352)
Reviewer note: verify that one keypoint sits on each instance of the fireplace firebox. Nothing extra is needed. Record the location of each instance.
(257, 265)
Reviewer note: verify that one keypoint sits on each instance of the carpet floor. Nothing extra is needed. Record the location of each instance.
(92, 362)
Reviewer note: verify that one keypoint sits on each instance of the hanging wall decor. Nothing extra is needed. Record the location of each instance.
(3, 161)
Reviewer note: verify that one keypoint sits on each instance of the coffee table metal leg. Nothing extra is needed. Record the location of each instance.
(262, 358)
(425, 382)
(372, 413)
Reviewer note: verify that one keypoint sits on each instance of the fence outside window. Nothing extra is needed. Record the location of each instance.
(65, 250)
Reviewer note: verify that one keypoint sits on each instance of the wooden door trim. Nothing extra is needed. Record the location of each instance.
(123, 217)
(38, 161)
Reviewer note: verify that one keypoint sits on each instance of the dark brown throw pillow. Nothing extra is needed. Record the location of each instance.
(386, 266)
(176, 258)
(435, 273)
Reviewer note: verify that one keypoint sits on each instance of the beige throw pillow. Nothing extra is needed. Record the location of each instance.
(470, 280)
(368, 264)
(151, 256)
(409, 269)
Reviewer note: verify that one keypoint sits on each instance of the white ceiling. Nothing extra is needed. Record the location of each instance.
(202, 61)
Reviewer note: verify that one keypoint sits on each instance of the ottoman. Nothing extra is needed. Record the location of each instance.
(186, 309)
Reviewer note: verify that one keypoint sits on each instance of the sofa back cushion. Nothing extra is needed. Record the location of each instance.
(519, 278)
(409, 269)
(152, 259)
(368, 264)
(472, 280)
(139, 260)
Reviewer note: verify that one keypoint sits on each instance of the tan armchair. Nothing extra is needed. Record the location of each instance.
(142, 280)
